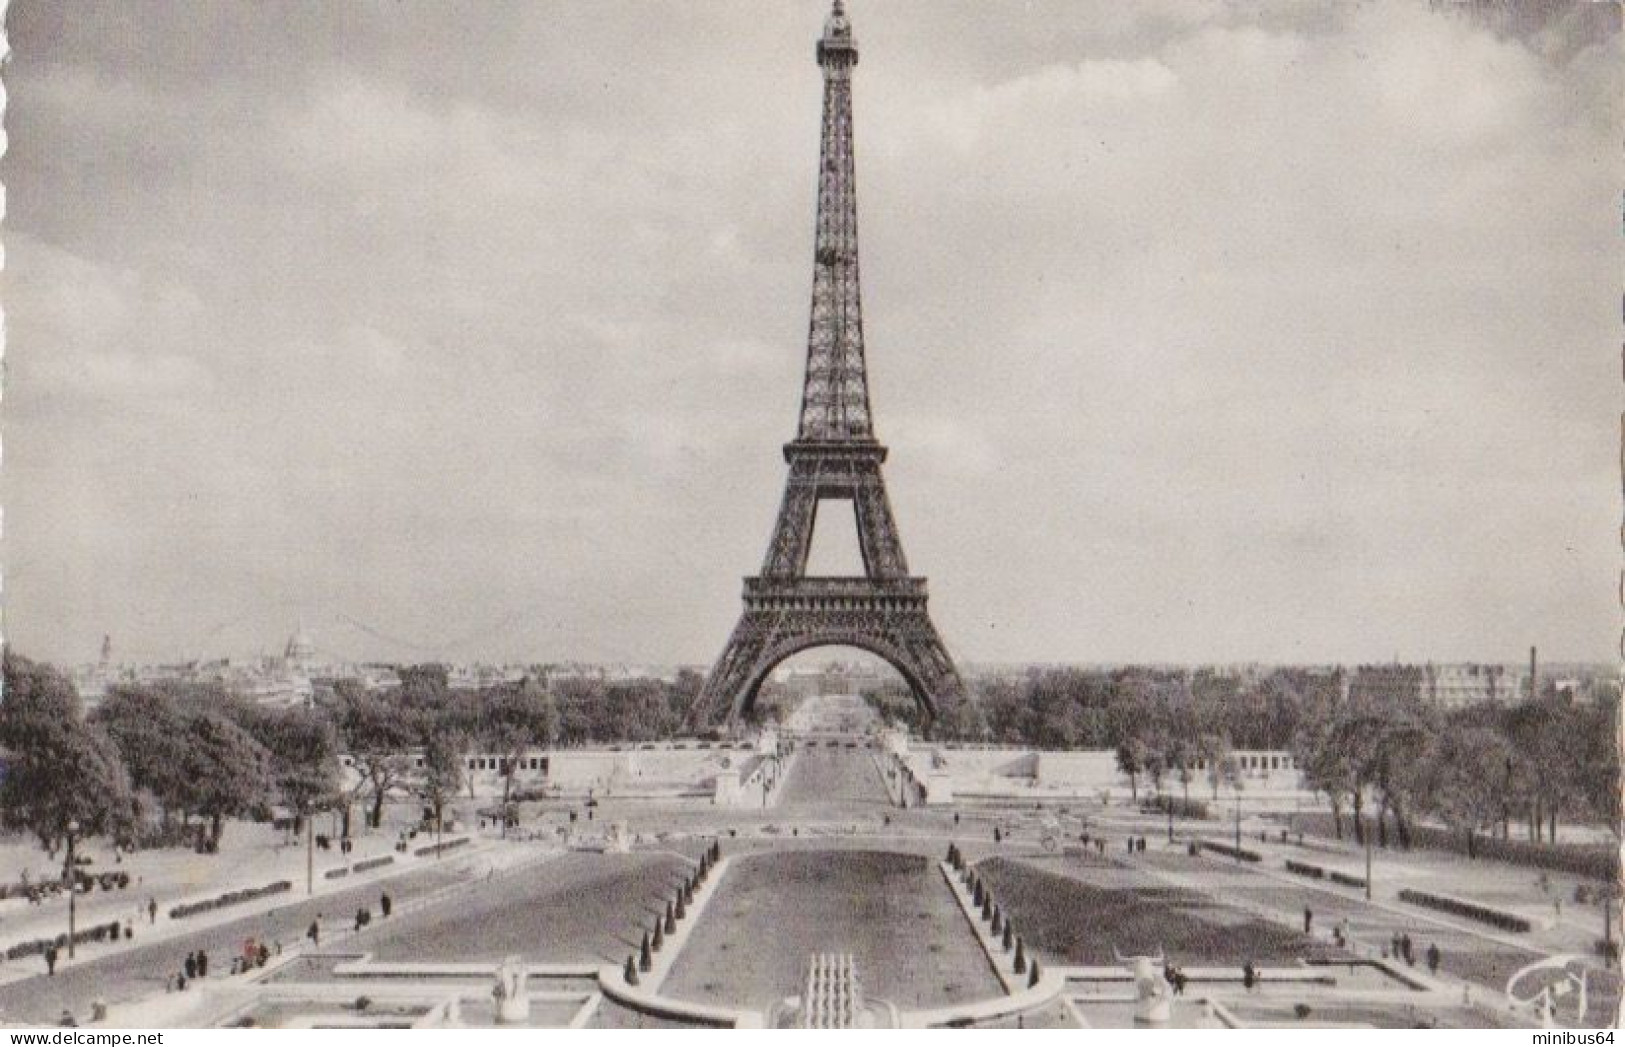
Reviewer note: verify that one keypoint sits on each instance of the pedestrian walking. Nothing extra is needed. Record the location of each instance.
(180, 982)
(152, 910)
(1405, 948)
(1433, 957)
(385, 904)
(1249, 976)
(263, 956)
(189, 966)
(50, 960)
(202, 964)
(1308, 919)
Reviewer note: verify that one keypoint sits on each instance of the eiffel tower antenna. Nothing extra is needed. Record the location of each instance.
(835, 455)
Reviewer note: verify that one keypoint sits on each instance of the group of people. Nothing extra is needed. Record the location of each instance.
(195, 966)
(1400, 946)
(1174, 976)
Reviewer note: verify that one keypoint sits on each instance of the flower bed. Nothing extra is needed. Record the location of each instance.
(1231, 852)
(1473, 911)
(440, 848)
(229, 898)
(101, 932)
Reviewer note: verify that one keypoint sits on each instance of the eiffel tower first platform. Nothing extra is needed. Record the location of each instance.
(835, 455)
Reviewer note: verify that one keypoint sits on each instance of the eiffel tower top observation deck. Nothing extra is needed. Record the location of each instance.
(835, 398)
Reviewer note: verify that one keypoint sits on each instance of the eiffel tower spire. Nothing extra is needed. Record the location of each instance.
(835, 399)
(834, 457)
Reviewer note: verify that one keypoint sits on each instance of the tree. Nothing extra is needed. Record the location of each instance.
(149, 729)
(1326, 767)
(379, 736)
(1132, 755)
(1222, 769)
(304, 746)
(442, 772)
(1461, 769)
(515, 719)
(57, 768)
(228, 772)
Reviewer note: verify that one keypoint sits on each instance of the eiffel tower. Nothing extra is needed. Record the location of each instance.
(835, 455)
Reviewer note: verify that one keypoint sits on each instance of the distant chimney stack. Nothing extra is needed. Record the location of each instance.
(1534, 676)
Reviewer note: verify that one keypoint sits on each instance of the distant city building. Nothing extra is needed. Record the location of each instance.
(1443, 686)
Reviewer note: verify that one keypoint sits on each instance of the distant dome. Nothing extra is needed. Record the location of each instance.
(300, 647)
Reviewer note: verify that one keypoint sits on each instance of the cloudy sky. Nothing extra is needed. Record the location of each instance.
(1283, 332)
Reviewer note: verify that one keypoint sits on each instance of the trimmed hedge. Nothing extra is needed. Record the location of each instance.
(335, 874)
(100, 932)
(1346, 880)
(107, 881)
(1232, 852)
(1456, 907)
(1183, 808)
(1305, 869)
(440, 848)
(230, 898)
(374, 863)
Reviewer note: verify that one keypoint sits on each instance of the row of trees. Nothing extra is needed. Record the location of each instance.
(173, 762)
(1101, 709)
(1477, 769)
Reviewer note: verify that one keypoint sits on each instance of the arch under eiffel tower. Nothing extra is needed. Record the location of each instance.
(835, 455)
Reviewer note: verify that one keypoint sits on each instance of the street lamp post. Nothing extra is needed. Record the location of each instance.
(310, 848)
(73, 884)
(1238, 826)
(1367, 833)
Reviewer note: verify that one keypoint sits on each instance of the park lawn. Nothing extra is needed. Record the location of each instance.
(581, 907)
(893, 912)
(1067, 920)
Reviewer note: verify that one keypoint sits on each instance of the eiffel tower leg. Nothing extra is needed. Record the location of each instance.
(723, 695)
(877, 530)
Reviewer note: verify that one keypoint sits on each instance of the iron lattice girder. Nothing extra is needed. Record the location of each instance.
(824, 470)
(835, 395)
(835, 456)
